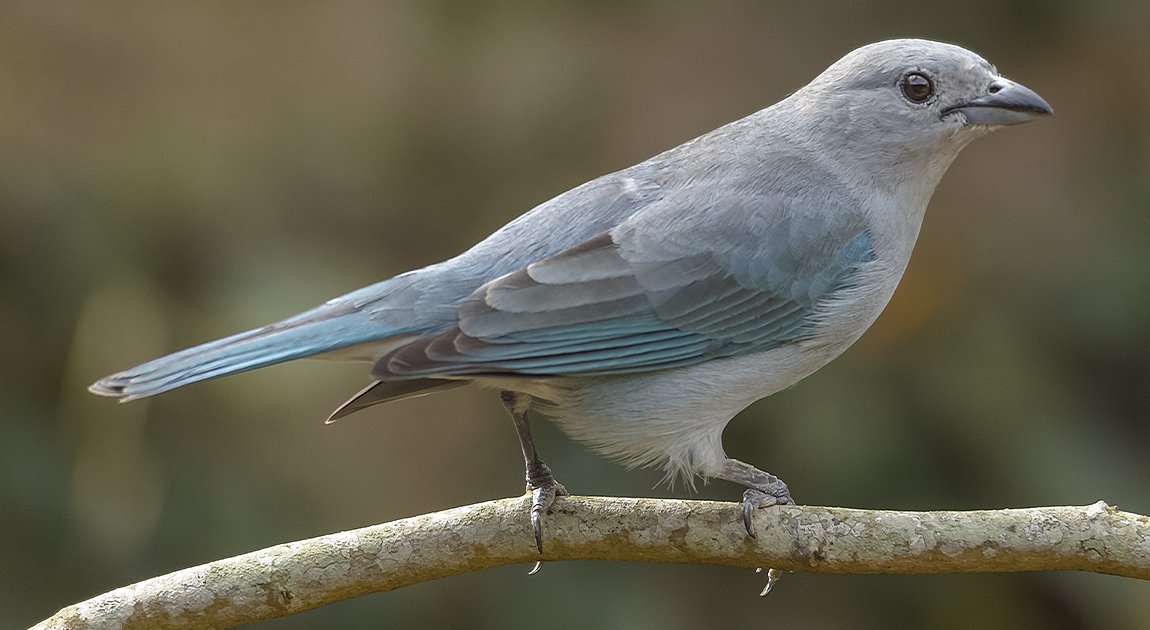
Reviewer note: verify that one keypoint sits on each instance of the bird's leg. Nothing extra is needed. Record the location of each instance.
(763, 489)
(540, 482)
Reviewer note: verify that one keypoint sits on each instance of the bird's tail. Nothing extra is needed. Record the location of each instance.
(322, 330)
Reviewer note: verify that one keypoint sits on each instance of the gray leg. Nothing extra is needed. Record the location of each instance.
(540, 482)
(763, 489)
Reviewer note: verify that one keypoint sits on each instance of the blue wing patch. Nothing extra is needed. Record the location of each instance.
(591, 311)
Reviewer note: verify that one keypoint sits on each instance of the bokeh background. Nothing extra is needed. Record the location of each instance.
(174, 172)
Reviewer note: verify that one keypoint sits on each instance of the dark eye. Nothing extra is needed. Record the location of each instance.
(917, 87)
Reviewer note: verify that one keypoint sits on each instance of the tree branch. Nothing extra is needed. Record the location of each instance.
(298, 576)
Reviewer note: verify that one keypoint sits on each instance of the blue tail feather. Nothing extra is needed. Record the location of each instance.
(322, 330)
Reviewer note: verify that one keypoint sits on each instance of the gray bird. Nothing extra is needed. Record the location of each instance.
(642, 310)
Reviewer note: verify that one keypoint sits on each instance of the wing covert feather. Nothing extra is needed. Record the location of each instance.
(628, 300)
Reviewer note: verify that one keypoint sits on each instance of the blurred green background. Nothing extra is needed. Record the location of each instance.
(174, 172)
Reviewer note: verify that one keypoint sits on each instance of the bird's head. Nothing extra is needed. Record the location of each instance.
(899, 100)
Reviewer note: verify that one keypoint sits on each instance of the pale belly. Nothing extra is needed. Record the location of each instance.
(675, 418)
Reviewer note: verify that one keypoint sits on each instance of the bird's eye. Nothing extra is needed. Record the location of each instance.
(917, 87)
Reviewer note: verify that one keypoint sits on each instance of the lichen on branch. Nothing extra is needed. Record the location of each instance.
(298, 576)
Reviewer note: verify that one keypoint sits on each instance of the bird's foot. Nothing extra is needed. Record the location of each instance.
(754, 499)
(543, 488)
(763, 489)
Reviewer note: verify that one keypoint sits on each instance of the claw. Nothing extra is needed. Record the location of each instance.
(773, 575)
(539, 505)
(537, 509)
(748, 512)
(542, 496)
(754, 499)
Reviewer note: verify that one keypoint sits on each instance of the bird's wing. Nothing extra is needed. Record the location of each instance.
(678, 283)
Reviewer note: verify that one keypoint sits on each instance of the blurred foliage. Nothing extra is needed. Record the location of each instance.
(173, 172)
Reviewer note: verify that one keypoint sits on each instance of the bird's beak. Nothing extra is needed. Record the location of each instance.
(1005, 103)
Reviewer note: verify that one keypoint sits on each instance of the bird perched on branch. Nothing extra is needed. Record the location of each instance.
(642, 310)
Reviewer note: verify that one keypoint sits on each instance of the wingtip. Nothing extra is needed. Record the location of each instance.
(337, 414)
(351, 405)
